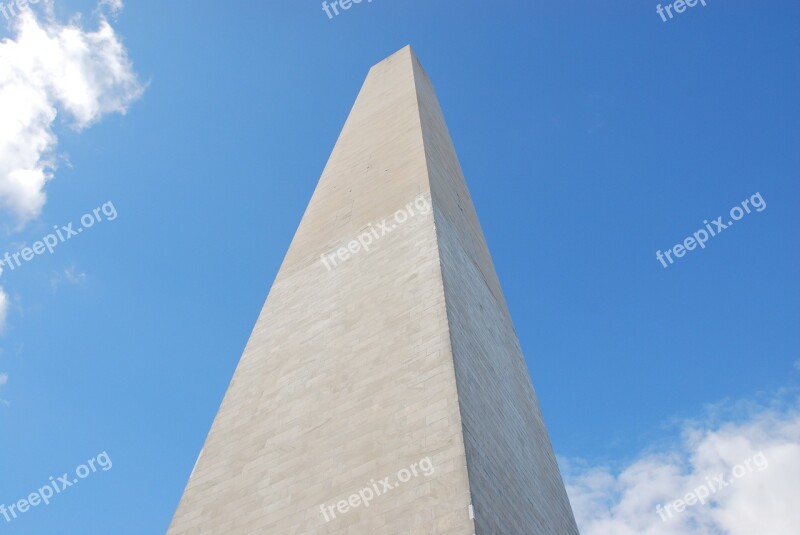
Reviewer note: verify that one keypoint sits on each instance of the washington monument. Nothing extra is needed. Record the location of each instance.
(383, 389)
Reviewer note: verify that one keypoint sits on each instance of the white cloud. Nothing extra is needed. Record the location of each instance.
(3, 381)
(70, 276)
(4, 304)
(115, 6)
(46, 69)
(797, 365)
(623, 501)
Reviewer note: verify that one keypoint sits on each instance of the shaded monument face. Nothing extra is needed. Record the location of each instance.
(383, 389)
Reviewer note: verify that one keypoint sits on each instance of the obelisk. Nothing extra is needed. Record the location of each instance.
(383, 389)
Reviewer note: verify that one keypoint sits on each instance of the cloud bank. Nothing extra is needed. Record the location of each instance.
(761, 500)
(49, 68)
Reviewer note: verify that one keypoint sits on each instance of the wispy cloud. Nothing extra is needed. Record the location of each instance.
(3, 381)
(70, 276)
(49, 68)
(115, 6)
(623, 500)
(4, 303)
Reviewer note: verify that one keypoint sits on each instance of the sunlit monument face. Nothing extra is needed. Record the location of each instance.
(383, 389)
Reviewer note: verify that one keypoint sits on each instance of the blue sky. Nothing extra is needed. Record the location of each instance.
(591, 135)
